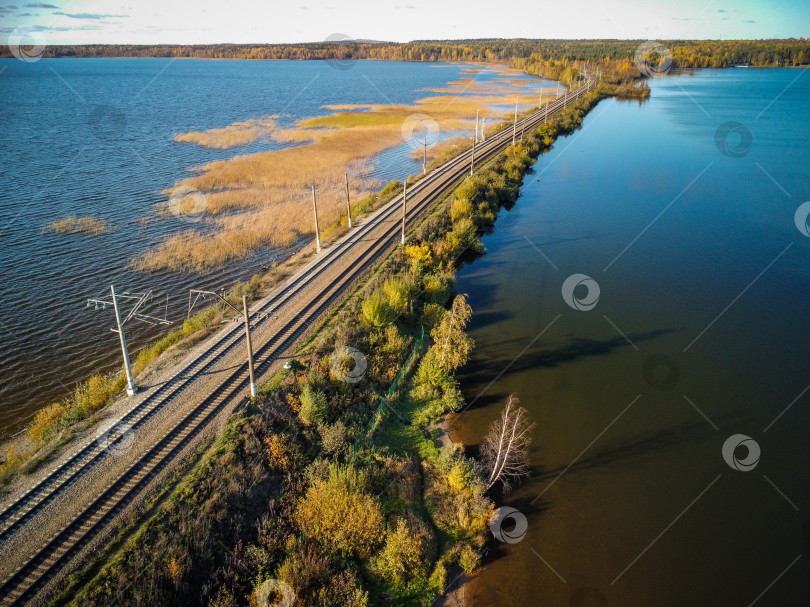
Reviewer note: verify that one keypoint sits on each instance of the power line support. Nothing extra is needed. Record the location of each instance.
(514, 124)
(131, 387)
(472, 159)
(348, 202)
(476, 126)
(404, 207)
(317, 231)
(246, 315)
(424, 159)
(253, 391)
(140, 299)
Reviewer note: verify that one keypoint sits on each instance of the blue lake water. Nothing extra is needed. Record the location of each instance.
(94, 137)
(700, 332)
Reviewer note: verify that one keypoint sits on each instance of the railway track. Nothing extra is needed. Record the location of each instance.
(29, 578)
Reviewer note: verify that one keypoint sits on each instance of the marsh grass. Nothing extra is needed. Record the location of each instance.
(238, 133)
(264, 200)
(76, 224)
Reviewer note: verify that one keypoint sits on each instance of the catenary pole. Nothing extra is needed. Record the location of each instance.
(131, 388)
(317, 231)
(348, 202)
(249, 348)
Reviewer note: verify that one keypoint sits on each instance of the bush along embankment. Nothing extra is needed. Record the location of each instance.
(56, 424)
(329, 487)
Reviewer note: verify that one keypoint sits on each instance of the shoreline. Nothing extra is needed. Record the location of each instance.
(459, 587)
(329, 233)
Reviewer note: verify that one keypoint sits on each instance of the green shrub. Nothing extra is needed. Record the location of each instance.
(376, 311)
(469, 559)
(313, 405)
(432, 315)
(438, 288)
(397, 292)
(333, 439)
(341, 514)
(406, 553)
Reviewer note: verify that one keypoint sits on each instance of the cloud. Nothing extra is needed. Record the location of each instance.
(42, 28)
(749, 21)
(722, 10)
(87, 15)
(27, 15)
(40, 5)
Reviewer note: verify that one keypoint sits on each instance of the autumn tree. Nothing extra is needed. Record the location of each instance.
(452, 345)
(505, 452)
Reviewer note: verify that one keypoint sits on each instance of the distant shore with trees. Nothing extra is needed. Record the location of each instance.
(789, 52)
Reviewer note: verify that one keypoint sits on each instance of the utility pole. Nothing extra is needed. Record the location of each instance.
(472, 159)
(476, 126)
(317, 231)
(348, 203)
(404, 207)
(131, 388)
(424, 159)
(140, 299)
(483, 127)
(249, 347)
(246, 315)
(514, 124)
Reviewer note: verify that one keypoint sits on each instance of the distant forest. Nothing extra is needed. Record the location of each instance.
(518, 52)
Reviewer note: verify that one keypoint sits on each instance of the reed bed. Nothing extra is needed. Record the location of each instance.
(263, 199)
(75, 224)
(238, 133)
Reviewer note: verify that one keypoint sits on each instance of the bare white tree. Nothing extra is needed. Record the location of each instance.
(505, 452)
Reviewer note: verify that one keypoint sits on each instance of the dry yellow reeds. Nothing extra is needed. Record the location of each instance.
(238, 133)
(74, 224)
(263, 199)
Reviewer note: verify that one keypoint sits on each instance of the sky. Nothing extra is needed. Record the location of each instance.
(268, 21)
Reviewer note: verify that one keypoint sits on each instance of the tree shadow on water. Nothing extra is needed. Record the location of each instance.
(489, 366)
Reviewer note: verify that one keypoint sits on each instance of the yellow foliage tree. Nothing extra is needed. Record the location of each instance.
(339, 512)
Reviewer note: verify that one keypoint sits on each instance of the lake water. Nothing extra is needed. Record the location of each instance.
(94, 137)
(700, 333)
